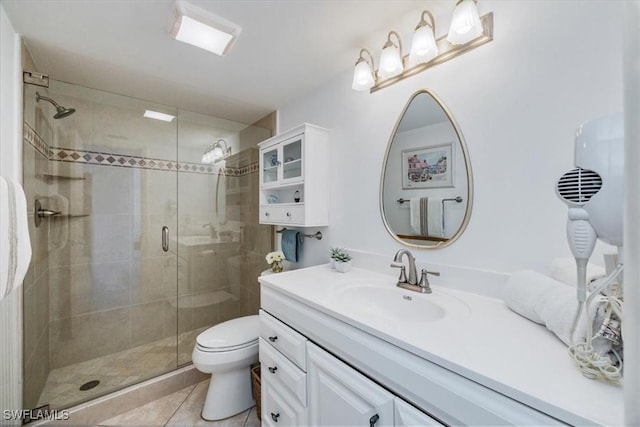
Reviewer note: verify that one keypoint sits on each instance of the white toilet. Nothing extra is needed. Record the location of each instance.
(226, 351)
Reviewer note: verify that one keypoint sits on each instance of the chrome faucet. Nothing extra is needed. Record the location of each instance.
(397, 263)
(412, 283)
(212, 230)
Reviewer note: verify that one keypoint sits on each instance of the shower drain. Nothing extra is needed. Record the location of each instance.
(89, 385)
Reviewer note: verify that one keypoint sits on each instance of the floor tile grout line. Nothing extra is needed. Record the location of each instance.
(180, 405)
(246, 420)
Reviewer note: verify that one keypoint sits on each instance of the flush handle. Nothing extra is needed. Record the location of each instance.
(273, 338)
(373, 420)
(274, 417)
(273, 369)
(165, 238)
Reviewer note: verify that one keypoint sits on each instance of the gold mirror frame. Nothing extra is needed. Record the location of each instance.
(467, 164)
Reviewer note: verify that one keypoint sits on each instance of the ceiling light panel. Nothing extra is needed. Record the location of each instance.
(203, 29)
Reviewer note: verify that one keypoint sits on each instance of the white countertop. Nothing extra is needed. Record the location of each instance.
(486, 343)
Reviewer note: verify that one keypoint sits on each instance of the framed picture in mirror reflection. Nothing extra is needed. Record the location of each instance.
(428, 167)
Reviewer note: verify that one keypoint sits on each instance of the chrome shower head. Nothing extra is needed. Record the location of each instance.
(61, 112)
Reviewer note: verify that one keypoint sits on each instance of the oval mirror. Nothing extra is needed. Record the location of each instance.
(426, 191)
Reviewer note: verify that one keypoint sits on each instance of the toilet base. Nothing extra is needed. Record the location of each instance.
(229, 394)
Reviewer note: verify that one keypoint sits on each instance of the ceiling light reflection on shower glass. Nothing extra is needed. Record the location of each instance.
(150, 114)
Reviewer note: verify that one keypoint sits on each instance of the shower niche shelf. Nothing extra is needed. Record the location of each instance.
(50, 175)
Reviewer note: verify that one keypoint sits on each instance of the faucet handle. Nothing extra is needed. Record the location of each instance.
(403, 272)
(424, 280)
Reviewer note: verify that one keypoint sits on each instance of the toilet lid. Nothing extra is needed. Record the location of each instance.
(232, 333)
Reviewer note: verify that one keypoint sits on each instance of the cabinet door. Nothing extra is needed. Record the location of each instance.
(279, 408)
(408, 416)
(292, 152)
(269, 160)
(340, 396)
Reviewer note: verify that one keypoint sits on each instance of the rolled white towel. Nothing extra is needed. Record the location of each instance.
(564, 270)
(15, 246)
(546, 301)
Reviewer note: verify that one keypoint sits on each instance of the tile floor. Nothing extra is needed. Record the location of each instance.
(181, 408)
(115, 371)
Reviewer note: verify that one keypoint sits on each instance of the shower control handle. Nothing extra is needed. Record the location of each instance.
(273, 369)
(165, 238)
(273, 338)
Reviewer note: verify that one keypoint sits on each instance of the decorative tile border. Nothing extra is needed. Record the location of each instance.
(72, 155)
(33, 139)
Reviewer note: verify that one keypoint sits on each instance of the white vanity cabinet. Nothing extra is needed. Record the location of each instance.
(294, 171)
(302, 384)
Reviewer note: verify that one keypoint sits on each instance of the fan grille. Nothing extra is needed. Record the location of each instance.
(579, 185)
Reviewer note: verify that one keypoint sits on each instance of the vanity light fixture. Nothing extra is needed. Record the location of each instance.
(465, 24)
(150, 114)
(391, 57)
(216, 152)
(423, 45)
(203, 29)
(426, 51)
(363, 74)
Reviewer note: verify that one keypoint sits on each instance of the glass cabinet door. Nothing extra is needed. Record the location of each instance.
(270, 163)
(292, 160)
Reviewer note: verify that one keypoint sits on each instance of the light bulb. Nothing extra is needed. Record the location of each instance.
(465, 24)
(362, 76)
(423, 46)
(390, 61)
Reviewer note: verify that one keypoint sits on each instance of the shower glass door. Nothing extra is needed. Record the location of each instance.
(100, 299)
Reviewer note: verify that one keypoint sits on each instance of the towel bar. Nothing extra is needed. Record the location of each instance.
(456, 199)
(316, 235)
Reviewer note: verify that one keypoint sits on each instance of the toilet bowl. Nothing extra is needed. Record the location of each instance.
(226, 351)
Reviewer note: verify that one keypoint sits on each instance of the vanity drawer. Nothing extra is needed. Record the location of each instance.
(280, 370)
(284, 339)
(279, 408)
(273, 214)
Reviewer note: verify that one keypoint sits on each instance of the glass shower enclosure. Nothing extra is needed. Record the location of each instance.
(138, 245)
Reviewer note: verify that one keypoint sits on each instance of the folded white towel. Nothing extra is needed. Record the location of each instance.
(15, 247)
(564, 270)
(544, 300)
(414, 215)
(434, 217)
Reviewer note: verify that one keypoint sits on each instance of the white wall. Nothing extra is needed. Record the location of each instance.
(517, 100)
(10, 167)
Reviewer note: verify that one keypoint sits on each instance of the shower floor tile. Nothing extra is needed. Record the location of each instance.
(115, 370)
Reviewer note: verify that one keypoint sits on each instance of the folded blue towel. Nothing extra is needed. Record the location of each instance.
(292, 245)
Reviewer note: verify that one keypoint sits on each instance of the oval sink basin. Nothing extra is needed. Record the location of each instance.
(390, 304)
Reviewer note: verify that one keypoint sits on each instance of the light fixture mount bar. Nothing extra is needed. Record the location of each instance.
(446, 50)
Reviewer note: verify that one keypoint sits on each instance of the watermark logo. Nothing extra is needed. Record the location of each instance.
(38, 414)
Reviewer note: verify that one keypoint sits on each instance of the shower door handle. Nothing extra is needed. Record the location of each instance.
(165, 238)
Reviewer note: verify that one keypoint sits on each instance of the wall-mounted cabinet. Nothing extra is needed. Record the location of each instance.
(294, 171)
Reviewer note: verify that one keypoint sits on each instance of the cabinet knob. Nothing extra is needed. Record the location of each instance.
(372, 421)
(273, 369)
(266, 214)
(288, 213)
(274, 417)
(273, 338)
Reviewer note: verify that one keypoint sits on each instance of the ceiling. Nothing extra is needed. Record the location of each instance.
(285, 49)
